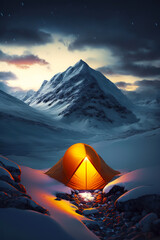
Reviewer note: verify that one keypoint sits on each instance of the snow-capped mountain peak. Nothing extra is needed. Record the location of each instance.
(82, 93)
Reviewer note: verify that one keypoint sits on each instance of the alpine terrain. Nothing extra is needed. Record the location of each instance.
(83, 94)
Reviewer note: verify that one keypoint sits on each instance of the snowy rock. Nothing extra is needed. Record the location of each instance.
(146, 222)
(12, 167)
(84, 94)
(90, 211)
(9, 189)
(92, 225)
(25, 203)
(7, 177)
(148, 203)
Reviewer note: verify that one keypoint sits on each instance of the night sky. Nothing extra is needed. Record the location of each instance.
(119, 38)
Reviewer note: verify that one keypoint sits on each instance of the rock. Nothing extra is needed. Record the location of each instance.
(114, 190)
(90, 211)
(58, 199)
(131, 235)
(9, 189)
(76, 192)
(146, 222)
(135, 219)
(63, 196)
(25, 203)
(149, 203)
(92, 225)
(139, 236)
(156, 226)
(12, 167)
(97, 191)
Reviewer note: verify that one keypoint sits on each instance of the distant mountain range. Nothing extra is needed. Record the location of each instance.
(83, 94)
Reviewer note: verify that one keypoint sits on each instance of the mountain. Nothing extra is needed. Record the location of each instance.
(82, 93)
(20, 94)
(28, 135)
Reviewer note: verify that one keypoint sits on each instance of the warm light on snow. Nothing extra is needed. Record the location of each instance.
(87, 196)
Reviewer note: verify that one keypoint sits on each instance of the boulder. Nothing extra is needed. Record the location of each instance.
(11, 166)
(25, 203)
(90, 211)
(146, 222)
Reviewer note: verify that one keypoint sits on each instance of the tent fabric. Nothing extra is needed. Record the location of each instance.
(82, 168)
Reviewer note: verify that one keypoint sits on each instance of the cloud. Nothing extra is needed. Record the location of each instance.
(130, 68)
(4, 76)
(123, 84)
(147, 91)
(126, 28)
(22, 61)
(24, 36)
(148, 84)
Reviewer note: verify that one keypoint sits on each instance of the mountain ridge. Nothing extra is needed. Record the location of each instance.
(81, 92)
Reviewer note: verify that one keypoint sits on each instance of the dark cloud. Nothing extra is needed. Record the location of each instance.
(131, 68)
(129, 29)
(154, 84)
(4, 76)
(123, 84)
(147, 92)
(18, 36)
(22, 61)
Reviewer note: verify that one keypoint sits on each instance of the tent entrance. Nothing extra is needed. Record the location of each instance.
(85, 177)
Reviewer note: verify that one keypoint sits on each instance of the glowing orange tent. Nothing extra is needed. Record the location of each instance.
(82, 168)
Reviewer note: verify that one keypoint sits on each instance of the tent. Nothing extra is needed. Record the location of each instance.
(82, 168)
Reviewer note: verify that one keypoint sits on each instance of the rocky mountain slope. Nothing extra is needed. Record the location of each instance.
(81, 93)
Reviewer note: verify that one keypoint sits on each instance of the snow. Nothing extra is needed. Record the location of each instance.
(43, 189)
(25, 224)
(83, 93)
(138, 183)
(132, 152)
(28, 136)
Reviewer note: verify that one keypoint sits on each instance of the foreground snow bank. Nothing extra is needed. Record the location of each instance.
(138, 183)
(43, 189)
(18, 224)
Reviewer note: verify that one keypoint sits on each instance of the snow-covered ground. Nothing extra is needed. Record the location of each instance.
(43, 189)
(141, 182)
(133, 152)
